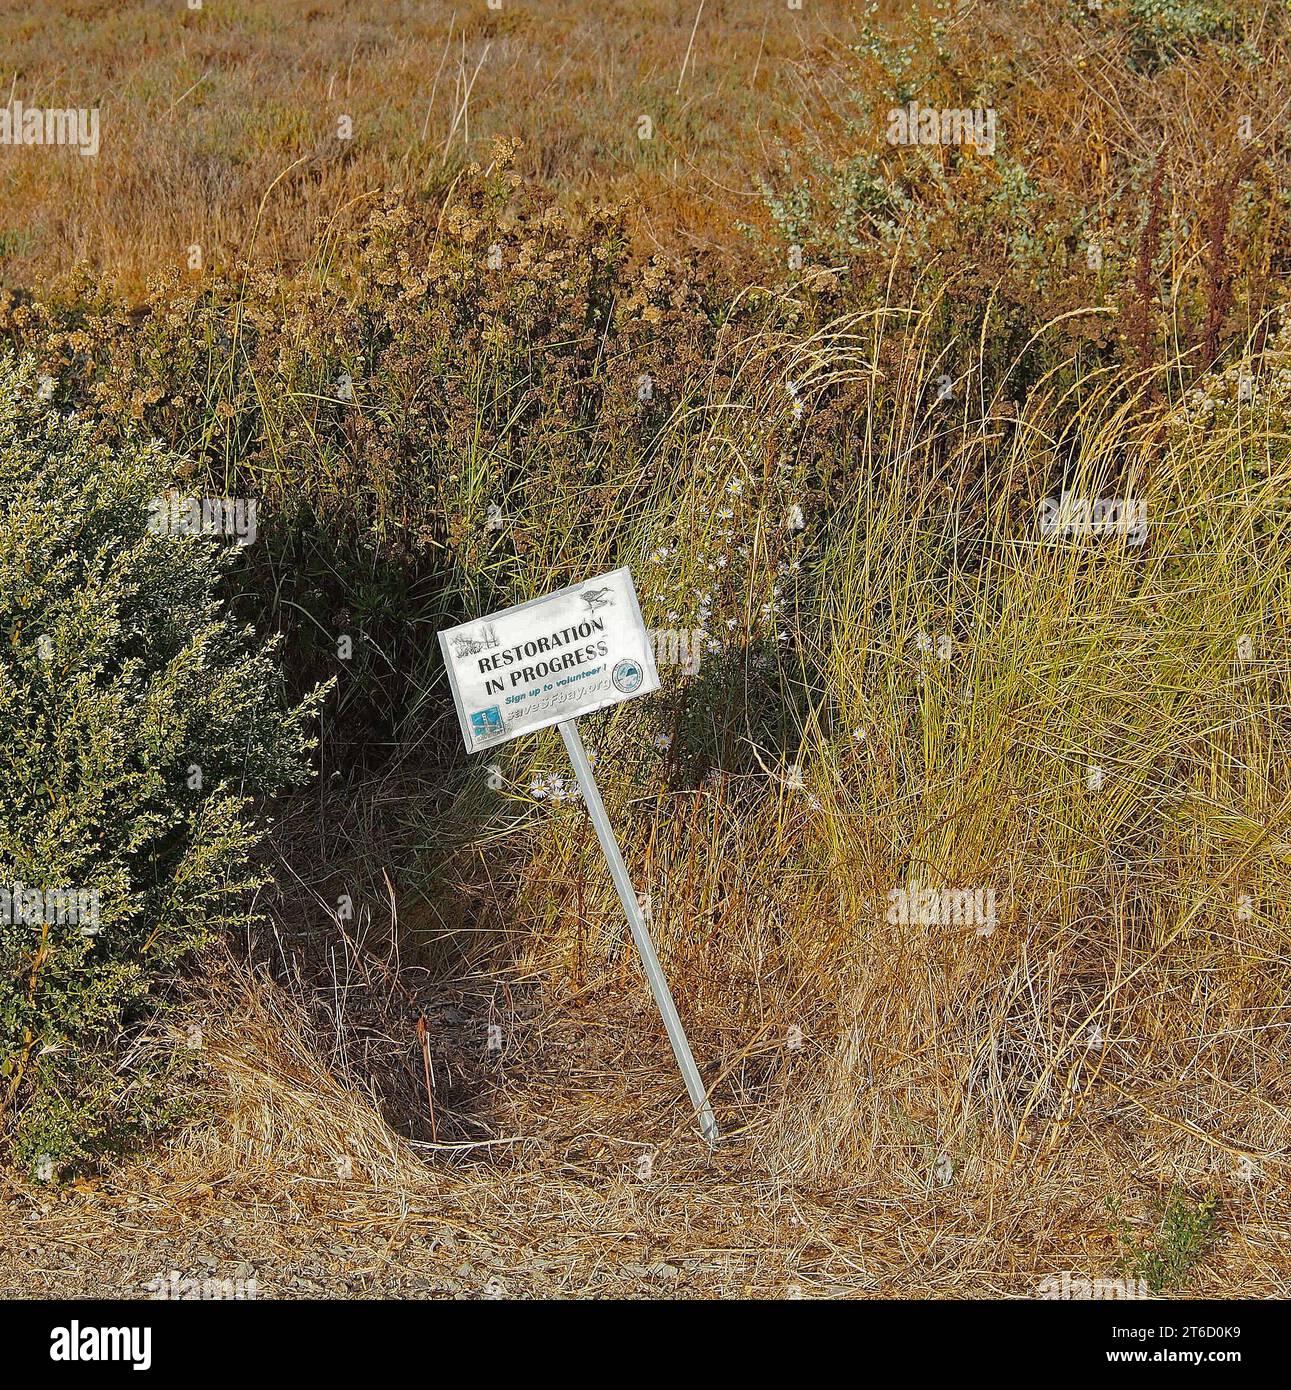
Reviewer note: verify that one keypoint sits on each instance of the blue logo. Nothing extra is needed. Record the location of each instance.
(627, 676)
(487, 723)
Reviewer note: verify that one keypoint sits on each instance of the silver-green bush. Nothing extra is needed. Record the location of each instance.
(137, 725)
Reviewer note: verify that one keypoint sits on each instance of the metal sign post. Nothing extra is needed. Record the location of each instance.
(546, 662)
(640, 933)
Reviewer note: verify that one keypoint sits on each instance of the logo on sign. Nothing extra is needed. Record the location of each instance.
(464, 645)
(628, 676)
(488, 723)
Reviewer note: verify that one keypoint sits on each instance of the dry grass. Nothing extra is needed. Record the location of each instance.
(909, 1109)
(220, 125)
(561, 1210)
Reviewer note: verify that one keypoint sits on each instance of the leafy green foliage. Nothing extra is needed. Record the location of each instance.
(136, 724)
(1164, 1258)
(1162, 30)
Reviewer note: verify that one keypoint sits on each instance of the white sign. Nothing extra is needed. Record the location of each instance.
(549, 660)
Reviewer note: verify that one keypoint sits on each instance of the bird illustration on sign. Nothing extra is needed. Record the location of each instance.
(596, 598)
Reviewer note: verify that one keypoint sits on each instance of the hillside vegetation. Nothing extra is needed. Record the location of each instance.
(954, 484)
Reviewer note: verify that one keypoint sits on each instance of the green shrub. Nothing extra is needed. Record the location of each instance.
(1162, 30)
(136, 724)
(1164, 1257)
